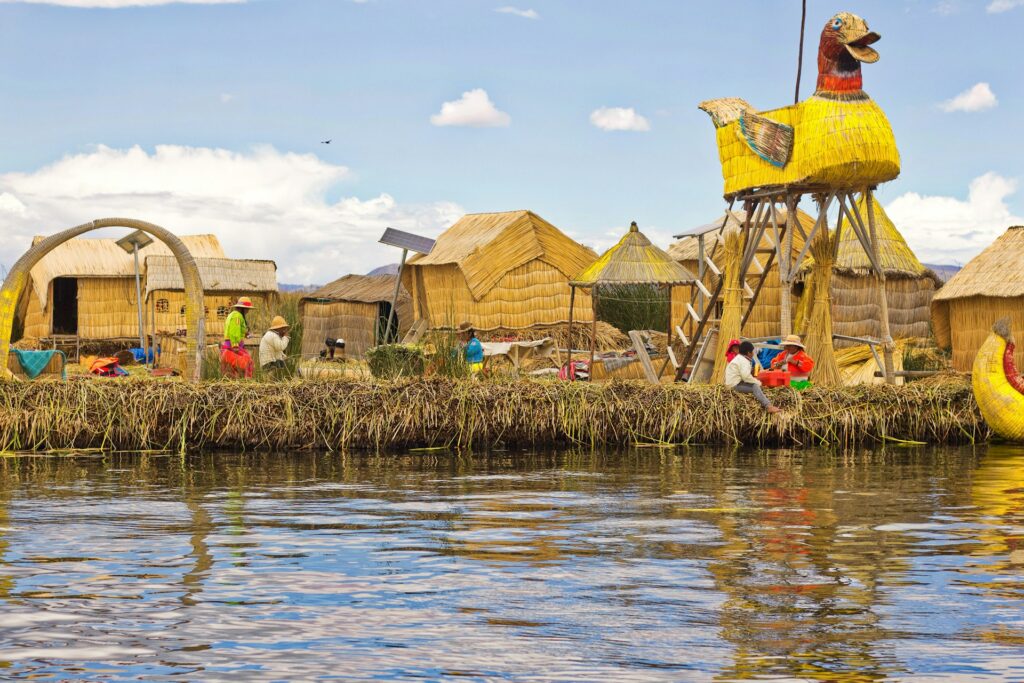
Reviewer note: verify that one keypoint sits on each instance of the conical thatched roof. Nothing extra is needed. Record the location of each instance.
(897, 258)
(996, 272)
(634, 261)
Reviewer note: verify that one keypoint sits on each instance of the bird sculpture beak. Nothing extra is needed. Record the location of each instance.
(857, 39)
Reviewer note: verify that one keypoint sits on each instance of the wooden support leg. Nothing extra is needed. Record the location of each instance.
(785, 258)
(883, 299)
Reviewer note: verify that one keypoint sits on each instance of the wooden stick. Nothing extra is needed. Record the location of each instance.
(883, 299)
(572, 304)
(800, 58)
(594, 296)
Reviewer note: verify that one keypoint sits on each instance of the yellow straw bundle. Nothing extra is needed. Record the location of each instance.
(732, 304)
(818, 335)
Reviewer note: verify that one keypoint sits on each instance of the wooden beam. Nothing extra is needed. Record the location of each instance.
(682, 337)
(700, 328)
(757, 292)
(645, 358)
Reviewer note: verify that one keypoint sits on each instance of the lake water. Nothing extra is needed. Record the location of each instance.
(647, 565)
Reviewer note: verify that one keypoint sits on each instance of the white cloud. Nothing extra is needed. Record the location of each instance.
(115, 4)
(976, 98)
(261, 203)
(997, 6)
(524, 13)
(619, 118)
(474, 108)
(226, 98)
(949, 230)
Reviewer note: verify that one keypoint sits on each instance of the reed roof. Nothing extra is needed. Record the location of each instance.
(486, 246)
(896, 257)
(369, 289)
(687, 245)
(217, 274)
(634, 260)
(101, 258)
(996, 272)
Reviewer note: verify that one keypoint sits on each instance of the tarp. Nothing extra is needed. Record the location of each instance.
(34, 362)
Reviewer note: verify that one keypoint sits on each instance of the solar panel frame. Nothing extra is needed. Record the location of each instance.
(407, 240)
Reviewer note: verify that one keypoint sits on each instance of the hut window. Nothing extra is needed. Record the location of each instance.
(163, 305)
(181, 311)
(222, 312)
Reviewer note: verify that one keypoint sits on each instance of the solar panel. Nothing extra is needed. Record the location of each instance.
(407, 240)
(138, 237)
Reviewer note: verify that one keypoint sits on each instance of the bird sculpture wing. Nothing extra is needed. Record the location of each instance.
(770, 140)
(998, 387)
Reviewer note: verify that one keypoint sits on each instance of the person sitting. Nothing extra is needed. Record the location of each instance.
(740, 378)
(732, 350)
(235, 361)
(273, 346)
(793, 359)
(472, 349)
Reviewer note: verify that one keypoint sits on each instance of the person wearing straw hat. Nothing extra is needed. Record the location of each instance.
(273, 346)
(472, 349)
(793, 359)
(235, 361)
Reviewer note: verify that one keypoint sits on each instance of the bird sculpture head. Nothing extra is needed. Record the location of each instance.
(845, 43)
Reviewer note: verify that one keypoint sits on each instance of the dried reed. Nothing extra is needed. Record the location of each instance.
(732, 304)
(139, 414)
(818, 336)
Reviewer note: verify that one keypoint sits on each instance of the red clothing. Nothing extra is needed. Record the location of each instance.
(729, 353)
(800, 365)
(235, 361)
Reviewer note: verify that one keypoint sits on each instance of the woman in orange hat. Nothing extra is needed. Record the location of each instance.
(235, 361)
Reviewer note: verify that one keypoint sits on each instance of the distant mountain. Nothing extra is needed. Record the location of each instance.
(296, 288)
(389, 269)
(944, 272)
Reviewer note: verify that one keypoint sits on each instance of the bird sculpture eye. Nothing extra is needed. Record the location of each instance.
(837, 23)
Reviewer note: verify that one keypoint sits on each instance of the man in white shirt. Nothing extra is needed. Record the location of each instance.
(739, 376)
(273, 346)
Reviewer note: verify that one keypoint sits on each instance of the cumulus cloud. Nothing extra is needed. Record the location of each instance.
(976, 98)
(115, 4)
(262, 203)
(951, 230)
(619, 118)
(997, 6)
(515, 11)
(473, 109)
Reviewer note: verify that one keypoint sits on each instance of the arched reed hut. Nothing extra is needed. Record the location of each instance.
(909, 285)
(85, 288)
(989, 287)
(354, 308)
(224, 281)
(765, 318)
(500, 271)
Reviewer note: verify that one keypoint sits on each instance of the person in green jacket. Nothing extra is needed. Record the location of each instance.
(235, 360)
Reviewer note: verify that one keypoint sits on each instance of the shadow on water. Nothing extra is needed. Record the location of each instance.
(699, 564)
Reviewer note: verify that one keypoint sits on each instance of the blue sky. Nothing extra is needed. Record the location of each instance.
(238, 96)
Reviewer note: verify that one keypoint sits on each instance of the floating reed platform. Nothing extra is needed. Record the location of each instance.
(141, 414)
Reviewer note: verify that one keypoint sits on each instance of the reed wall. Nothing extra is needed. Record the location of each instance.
(141, 414)
(535, 293)
(856, 313)
(970, 322)
(165, 311)
(353, 321)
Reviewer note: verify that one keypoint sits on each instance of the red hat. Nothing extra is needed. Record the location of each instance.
(732, 343)
(244, 302)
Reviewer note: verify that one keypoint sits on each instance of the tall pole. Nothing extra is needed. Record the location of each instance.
(394, 297)
(883, 298)
(800, 59)
(138, 301)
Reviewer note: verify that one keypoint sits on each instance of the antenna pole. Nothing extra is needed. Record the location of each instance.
(800, 59)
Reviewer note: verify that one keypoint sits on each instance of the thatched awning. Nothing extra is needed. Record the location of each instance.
(102, 258)
(369, 289)
(218, 275)
(634, 261)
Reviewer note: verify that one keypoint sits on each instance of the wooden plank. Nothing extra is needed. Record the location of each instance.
(682, 337)
(645, 358)
(672, 357)
(693, 313)
(700, 327)
(703, 290)
(712, 267)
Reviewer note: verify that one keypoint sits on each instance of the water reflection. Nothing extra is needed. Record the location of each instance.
(688, 565)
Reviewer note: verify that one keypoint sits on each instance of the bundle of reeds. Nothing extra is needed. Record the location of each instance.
(732, 304)
(818, 336)
(139, 414)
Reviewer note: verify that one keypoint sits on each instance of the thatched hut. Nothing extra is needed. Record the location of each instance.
(765, 318)
(354, 308)
(85, 288)
(909, 285)
(989, 287)
(500, 271)
(224, 280)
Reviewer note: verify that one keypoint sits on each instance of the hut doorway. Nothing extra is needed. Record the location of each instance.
(65, 305)
(386, 334)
